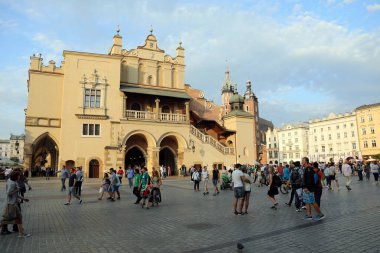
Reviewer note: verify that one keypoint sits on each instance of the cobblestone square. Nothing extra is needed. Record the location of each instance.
(187, 221)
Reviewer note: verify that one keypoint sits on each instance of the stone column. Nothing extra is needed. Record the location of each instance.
(187, 105)
(124, 106)
(157, 108)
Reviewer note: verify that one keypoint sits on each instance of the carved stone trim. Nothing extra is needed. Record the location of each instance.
(42, 122)
(91, 116)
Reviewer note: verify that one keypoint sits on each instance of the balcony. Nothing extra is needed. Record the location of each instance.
(153, 116)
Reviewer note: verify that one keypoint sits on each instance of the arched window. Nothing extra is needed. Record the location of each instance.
(165, 109)
(136, 107)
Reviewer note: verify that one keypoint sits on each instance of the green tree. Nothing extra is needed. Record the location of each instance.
(14, 159)
(376, 156)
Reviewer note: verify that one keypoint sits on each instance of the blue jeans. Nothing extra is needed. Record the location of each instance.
(63, 188)
(130, 182)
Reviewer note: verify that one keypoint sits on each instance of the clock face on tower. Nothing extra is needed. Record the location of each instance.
(151, 45)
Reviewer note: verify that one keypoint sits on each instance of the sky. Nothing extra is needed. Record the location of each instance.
(305, 59)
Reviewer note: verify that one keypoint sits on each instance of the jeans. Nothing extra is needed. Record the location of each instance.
(130, 182)
(63, 188)
(376, 176)
(318, 195)
(136, 192)
(196, 185)
(360, 174)
(297, 200)
(328, 181)
(78, 188)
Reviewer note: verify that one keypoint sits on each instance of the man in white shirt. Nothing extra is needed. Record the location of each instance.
(347, 172)
(375, 171)
(237, 180)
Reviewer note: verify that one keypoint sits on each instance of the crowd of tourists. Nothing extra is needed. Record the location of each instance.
(305, 179)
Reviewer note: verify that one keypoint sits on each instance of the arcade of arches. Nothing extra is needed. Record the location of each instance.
(139, 152)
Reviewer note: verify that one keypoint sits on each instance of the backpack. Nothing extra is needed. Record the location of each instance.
(277, 180)
(294, 176)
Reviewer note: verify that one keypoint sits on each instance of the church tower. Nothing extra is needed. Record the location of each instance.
(227, 92)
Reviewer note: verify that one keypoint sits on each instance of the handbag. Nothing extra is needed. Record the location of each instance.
(10, 212)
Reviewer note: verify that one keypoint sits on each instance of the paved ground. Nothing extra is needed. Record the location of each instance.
(189, 222)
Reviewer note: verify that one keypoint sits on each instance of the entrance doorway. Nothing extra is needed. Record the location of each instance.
(168, 159)
(94, 169)
(45, 154)
(134, 157)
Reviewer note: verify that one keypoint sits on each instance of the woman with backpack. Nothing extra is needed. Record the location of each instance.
(272, 188)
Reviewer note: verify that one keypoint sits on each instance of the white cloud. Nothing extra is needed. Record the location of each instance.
(8, 24)
(373, 7)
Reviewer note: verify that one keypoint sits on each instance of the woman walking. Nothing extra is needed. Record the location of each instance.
(248, 180)
(12, 212)
(205, 180)
(136, 183)
(196, 178)
(105, 186)
(272, 188)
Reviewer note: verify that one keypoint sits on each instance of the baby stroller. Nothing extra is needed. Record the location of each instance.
(226, 183)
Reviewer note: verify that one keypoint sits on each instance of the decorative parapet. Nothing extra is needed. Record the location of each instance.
(36, 64)
(42, 122)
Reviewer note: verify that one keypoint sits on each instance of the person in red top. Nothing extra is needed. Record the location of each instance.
(120, 173)
(318, 185)
(280, 170)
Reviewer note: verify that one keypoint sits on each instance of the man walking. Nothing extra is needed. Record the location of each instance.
(215, 179)
(72, 190)
(296, 182)
(238, 181)
(308, 191)
(129, 174)
(115, 184)
(79, 181)
(205, 180)
(347, 172)
(64, 174)
(375, 171)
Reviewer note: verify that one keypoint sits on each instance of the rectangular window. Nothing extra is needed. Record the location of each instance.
(297, 155)
(315, 138)
(374, 143)
(92, 98)
(322, 137)
(361, 119)
(291, 156)
(297, 147)
(330, 137)
(321, 129)
(370, 118)
(337, 127)
(274, 138)
(372, 130)
(364, 132)
(269, 139)
(316, 149)
(352, 134)
(344, 125)
(91, 130)
(352, 124)
(289, 134)
(315, 130)
(283, 135)
(323, 148)
(270, 146)
(365, 144)
(275, 145)
(338, 135)
(345, 135)
(296, 140)
(354, 145)
(284, 156)
(283, 141)
(295, 133)
(328, 128)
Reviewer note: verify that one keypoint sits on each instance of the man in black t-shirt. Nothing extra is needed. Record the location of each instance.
(215, 179)
(72, 181)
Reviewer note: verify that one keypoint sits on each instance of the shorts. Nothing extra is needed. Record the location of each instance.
(332, 177)
(215, 182)
(308, 197)
(239, 192)
(115, 188)
(71, 189)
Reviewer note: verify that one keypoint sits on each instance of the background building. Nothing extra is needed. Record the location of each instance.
(293, 142)
(333, 138)
(272, 145)
(13, 148)
(132, 107)
(368, 122)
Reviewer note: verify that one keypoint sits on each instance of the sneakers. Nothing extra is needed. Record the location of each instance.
(80, 201)
(23, 235)
(307, 217)
(68, 203)
(303, 207)
(319, 217)
(273, 207)
(298, 210)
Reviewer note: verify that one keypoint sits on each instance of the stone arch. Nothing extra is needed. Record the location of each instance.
(151, 141)
(44, 152)
(182, 143)
(168, 157)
